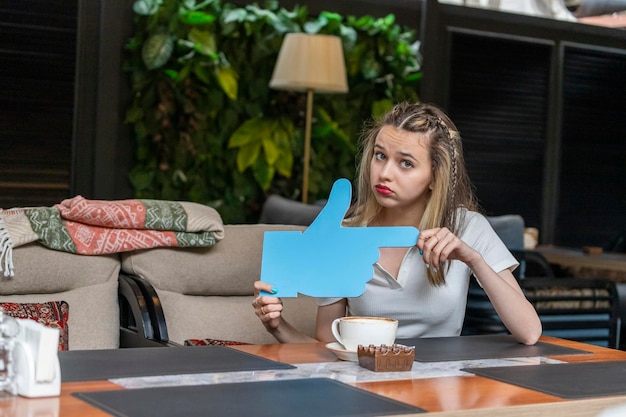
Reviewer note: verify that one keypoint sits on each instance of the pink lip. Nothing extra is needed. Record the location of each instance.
(381, 189)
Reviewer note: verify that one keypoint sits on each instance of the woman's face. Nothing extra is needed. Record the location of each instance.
(401, 169)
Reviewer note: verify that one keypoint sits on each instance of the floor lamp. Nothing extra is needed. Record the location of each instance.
(311, 63)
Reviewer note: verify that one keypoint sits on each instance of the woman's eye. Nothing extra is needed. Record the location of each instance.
(379, 156)
(406, 164)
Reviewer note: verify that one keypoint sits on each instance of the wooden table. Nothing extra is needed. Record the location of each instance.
(579, 264)
(443, 397)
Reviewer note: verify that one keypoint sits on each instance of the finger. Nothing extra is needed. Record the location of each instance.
(443, 243)
(270, 312)
(260, 286)
(436, 245)
(430, 243)
(269, 290)
(264, 288)
(267, 303)
(265, 300)
(424, 235)
(335, 208)
(449, 244)
(428, 249)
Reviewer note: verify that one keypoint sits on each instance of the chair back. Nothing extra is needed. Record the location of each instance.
(535, 264)
(280, 210)
(584, 310)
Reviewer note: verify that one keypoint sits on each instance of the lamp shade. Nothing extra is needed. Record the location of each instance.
(310, 62)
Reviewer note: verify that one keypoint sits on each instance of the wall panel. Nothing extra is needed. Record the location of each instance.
(37, 51)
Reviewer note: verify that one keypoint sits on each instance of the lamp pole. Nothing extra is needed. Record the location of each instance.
(307, 144)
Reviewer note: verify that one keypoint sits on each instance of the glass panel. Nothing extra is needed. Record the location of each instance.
(609, 13)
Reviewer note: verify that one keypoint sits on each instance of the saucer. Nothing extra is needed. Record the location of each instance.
(343, 354)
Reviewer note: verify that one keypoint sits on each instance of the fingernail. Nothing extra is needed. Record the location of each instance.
(274, 291)
(427, 266)
(435, 270)
(421, 252)
(440, 264)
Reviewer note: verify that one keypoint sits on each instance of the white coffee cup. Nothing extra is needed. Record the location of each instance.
(359, 330)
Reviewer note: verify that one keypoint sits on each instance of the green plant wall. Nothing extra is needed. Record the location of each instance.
(208, 128)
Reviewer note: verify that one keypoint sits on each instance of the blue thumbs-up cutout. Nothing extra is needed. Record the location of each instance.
(328, 259)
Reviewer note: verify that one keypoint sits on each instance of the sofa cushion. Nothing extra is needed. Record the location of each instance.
(89, 284)
(229, 318)
(227, 269)
(208, 292)
(95, 319)
(39, 270)
(53, 314)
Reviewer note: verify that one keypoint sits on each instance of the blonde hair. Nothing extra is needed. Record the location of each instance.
(452, 188)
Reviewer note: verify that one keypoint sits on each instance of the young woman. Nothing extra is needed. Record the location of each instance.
(412, 173)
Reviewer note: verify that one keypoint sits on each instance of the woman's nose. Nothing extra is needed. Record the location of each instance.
(385, 171)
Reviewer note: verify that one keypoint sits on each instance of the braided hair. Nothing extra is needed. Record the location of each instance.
(452, 188)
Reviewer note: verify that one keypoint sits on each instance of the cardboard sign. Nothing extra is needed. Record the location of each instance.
(328, 259)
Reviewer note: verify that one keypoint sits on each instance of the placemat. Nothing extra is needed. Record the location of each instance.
(565, 380)
(86, 365)
(315, 397)
(441, 349)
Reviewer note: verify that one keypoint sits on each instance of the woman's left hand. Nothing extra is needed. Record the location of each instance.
(440, 245)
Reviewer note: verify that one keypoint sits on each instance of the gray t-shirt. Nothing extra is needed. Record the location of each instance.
(424, 310)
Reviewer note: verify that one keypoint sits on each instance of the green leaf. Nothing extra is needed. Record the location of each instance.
(370, 67)
(203, 40)
(195, 17)
(389, 20)
(381, 107)
(330, 16)
(314, 27)
(271, 150)
(349, 37)
(202, 71)
(282, 133)
(184, 72)
(263, 174)
(364, 22)
(233, 16)
(141, 178)
(248, 155)
(247, 133)
(146, 7)
(179, 176)
(284, 164)
(227, 79)
(173, 75)
(416, 76)
(157, 50)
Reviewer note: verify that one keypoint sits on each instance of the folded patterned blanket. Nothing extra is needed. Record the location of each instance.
(97, 227)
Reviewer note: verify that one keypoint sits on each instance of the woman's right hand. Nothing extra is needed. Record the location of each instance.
(267, 308)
